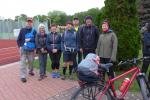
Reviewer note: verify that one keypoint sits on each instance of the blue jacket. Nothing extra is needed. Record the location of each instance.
(53, 41)
(70, 40)
(21, 36)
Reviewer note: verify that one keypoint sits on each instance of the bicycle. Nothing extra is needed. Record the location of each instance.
(107, 91)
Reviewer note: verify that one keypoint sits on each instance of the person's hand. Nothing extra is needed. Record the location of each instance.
(42, 49)
(97, 60)
(34, 53)
(81, 50)
(27, 40)
(54, 50)
(20, 48)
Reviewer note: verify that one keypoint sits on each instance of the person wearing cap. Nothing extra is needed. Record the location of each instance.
(41, 50)
(107, 46)
(26, 37)
(69, 47)
(79, 54)
(54, 49)
(88, 37)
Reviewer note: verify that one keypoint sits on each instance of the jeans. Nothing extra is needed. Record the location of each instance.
(43, 63)
(26, 59)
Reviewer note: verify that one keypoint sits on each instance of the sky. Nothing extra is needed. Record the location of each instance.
(12, 8)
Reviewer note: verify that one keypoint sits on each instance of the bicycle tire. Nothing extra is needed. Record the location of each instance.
(83, 93)
(144, 89)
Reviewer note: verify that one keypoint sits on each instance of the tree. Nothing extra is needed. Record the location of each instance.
(94, 12)
(22, 17)
(122, 15)
(57, 17)
(41, 18)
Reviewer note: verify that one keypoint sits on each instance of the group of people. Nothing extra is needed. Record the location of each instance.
(75, 44)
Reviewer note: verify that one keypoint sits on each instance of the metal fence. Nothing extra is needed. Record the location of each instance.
(7, 27)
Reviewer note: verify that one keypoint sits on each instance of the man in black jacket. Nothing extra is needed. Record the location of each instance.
(26, 50)
(89, 35)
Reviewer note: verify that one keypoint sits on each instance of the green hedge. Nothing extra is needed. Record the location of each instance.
(122, 15)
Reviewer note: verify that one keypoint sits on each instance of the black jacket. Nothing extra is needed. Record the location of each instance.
(41, 41)
(88, 37)
(53, 41)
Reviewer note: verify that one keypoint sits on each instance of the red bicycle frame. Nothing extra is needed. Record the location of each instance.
(135, 70)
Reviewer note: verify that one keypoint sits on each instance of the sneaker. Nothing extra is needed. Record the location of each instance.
(57, 75)
(23, 80)
(45, 75)
(31, 73)
(53, 75)
(63, 77)
(40, 78)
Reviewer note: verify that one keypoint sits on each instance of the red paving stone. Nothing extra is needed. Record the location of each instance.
(11, 88)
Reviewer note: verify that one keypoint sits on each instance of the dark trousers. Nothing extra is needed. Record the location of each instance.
(111, 69)
(55, 59)
(43, 63)
(145, 67)
(79, 57)
(75, 62)
(87, 51)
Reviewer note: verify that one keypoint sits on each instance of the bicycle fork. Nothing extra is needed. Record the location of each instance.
(142, 75)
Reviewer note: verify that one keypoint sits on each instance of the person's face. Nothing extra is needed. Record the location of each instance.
(69, 26)
(41, 29)
(29, 23)
(88, 22)
(75, 22)
(53, 29)
(105, 27)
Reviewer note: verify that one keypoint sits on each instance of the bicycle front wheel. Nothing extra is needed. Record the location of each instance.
(90, 93)
(144, 89)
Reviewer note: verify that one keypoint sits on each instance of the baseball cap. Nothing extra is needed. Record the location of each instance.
(29, 19)
(88, 17)
(75, 18)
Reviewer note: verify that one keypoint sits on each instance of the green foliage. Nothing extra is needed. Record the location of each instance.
(122, 15)
(58, 17)
(22, 17)
(41, 18)
(94, 12)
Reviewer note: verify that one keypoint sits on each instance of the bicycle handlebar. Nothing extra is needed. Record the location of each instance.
(132, 61)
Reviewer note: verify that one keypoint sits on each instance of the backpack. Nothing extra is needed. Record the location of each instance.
(29, 46)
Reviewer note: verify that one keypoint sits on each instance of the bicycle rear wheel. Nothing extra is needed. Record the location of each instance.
(144, 89)
(90, 92)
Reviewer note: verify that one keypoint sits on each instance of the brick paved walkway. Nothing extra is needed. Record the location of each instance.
(11, 88)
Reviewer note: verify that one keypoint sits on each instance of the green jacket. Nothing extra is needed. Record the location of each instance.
(107, 45)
